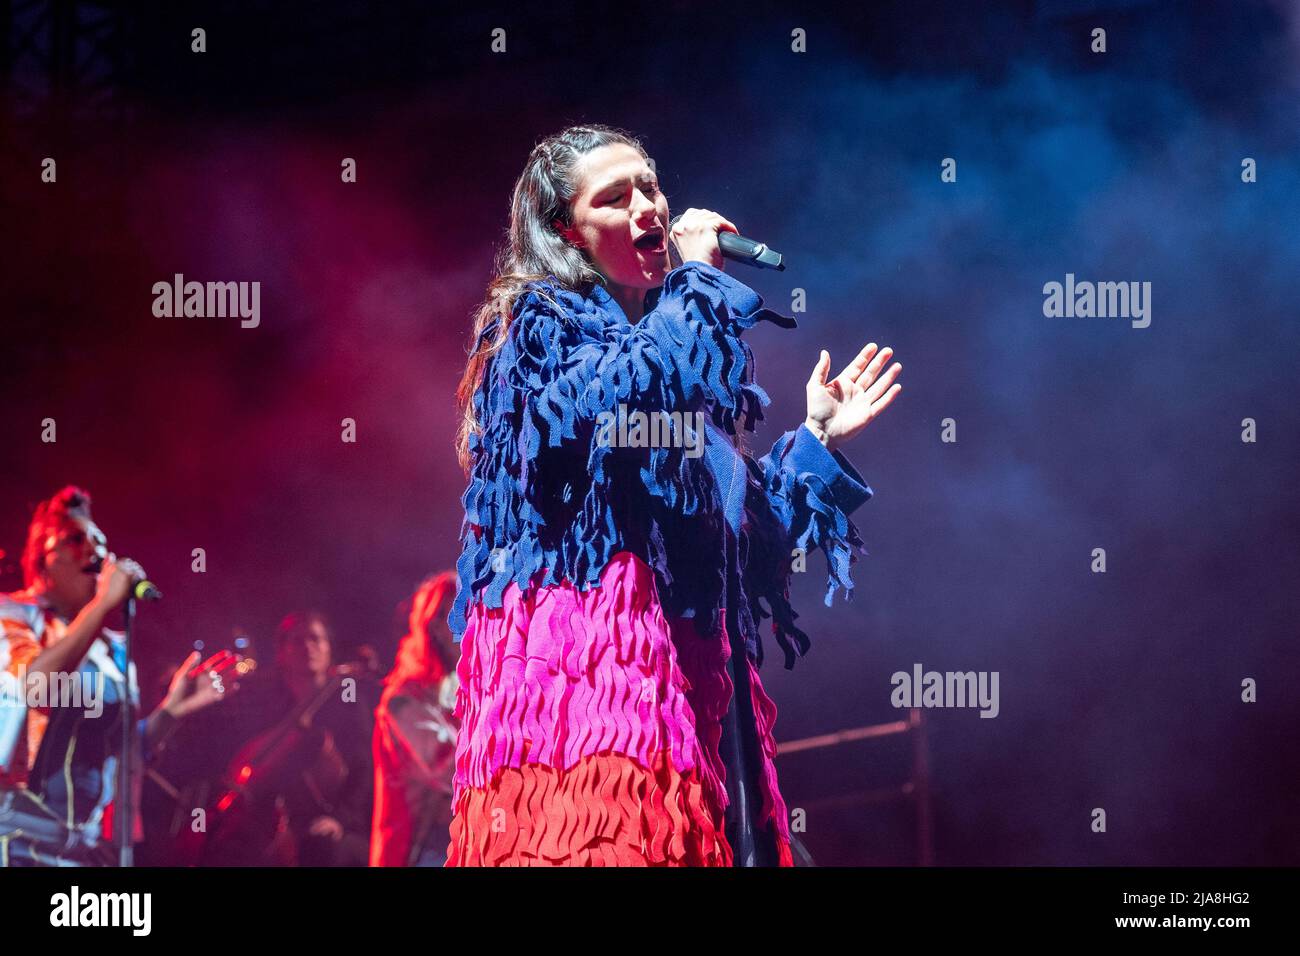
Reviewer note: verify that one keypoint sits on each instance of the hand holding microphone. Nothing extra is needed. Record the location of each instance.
(695, 233)
(120, 577)
(703, 235)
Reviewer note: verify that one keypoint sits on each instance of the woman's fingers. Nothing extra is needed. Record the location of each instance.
(853, 371)
(862, 379)
(888, 397)
(872, 369)
(188, 665)
(878, 388)
(221, 662)
(821, 370)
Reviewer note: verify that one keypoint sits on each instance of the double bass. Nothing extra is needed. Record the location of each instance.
(248, 822)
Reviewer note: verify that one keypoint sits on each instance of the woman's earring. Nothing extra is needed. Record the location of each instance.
(560, 231)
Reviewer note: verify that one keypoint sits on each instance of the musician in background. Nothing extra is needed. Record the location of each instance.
(59, 757)
(308, 771)
(415, 737)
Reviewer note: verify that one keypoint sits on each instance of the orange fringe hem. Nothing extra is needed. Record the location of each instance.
(606, 810)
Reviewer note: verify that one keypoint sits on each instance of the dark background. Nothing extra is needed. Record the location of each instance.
(1118, 690)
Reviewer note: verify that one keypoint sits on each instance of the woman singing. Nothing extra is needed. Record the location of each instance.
(620, 544)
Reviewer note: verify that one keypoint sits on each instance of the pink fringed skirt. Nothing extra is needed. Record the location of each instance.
(590, 726)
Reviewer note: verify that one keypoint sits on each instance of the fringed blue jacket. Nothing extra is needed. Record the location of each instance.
(553, 495)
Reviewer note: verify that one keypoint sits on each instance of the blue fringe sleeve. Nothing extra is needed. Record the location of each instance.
(810, 493)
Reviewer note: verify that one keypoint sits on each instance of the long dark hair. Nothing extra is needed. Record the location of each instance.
(534, 249)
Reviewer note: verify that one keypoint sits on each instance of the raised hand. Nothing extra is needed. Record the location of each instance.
(195, 686)
(839, 408)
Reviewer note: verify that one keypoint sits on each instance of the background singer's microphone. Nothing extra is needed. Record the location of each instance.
(144, 590)
(744, 250)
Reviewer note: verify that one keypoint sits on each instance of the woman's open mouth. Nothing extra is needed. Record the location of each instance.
(653, 241)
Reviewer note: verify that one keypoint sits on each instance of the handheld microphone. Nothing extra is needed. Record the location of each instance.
(143, 589)
(740, 249)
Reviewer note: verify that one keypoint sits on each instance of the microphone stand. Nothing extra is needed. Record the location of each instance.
(123, 808)
(739, 747)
